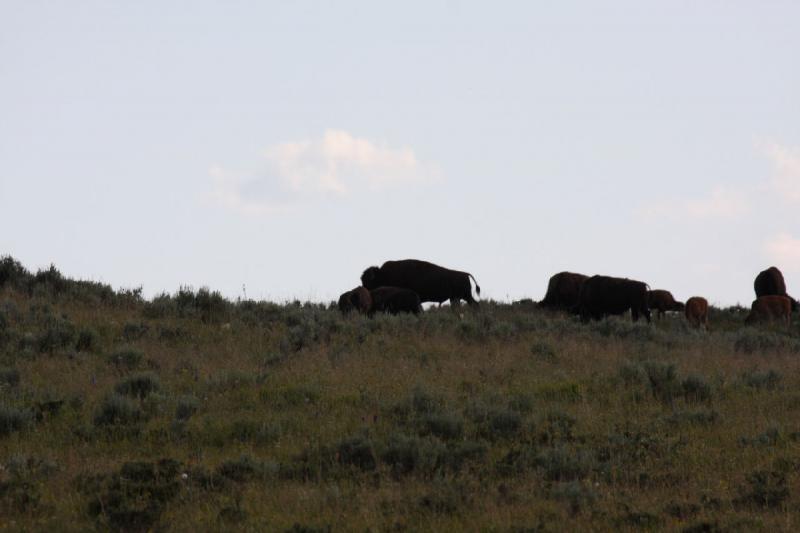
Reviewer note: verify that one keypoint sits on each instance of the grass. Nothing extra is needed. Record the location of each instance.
(190, 411)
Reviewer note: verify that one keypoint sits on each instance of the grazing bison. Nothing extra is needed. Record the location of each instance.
(431, 282)
(696, 310)
(770, 282)
(394, 300)
(604, 295)
(563, 291)
(771, 307)
(663, 301)
(357, 299)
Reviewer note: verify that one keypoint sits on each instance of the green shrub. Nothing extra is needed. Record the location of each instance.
(58, 333)
(764, 488)
(126, 358)
(87, 340)
(696, 389)
(134, 497)
(133, 331)
(117, 410)
(186, 407)
(768, 380)
(442, 425)
(562, 464)
(255, 432)
(9, 377)
(544, 350)
(13, 419)
(138, 385)
(577, 495)
(358, 452)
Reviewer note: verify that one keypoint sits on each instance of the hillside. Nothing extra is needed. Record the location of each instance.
(192, 412)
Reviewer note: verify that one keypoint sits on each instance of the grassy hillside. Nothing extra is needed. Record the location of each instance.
(190, 412)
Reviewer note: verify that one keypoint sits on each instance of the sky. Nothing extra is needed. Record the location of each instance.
(274, 150)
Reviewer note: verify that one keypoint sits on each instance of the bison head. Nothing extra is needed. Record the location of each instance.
(370, 278)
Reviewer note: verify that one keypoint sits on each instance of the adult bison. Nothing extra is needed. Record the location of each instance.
(605, 295)
(696, 311)
(563, 290)
(357, 299)
(431, 282)
(771, 307)
(663, 301)
(770, 282)
(394, 300)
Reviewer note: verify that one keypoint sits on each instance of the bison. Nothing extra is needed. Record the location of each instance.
(394, 300)
(696, 310)
(771, 307)
(431, 282)
(357, 299)
(663, 301)
(770, 282)
(563, 290)
(605, 295)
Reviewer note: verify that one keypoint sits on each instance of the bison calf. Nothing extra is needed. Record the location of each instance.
(394, 300)
(663, 301)
(696, 310)
(768, 308)
(357, 299)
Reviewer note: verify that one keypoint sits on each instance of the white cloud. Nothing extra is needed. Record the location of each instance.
(786, 178)
(784, 251)
(335, 166)
(722, 202)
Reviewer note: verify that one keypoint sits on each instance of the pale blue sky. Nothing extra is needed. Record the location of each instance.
(287, 146)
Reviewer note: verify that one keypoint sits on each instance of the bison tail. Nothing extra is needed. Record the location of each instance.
(477, 287)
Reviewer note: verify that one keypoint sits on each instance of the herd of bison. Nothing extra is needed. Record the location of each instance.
(402, 287)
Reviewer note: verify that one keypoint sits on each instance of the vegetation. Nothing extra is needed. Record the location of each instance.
(190, 411)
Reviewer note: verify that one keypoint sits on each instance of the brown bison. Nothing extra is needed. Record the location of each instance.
(768, 308)
(394, 300)
(696, 310)
(663, 301)
(357, 299)
(431, 282)
(563, 290)
(604, 295)
(770, 282)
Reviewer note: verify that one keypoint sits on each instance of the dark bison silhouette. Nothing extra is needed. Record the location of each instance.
(696, 311)
(770, 282)
(431, 282)
(605, 295)
(770, 307)
(663, 301)
(563, 290)
(394, 300)
(357, 299)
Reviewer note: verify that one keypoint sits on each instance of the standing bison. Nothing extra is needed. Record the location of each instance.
(394, 300)
(697, 311)
(563, 291)
(663, 301)
(770, 282)
(604, 295)
(771, 307)
(357, 299)
(431, 282)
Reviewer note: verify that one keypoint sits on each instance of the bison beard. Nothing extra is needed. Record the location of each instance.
(394, 300)
(431, 282)
(605, 295)
(563, 291)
